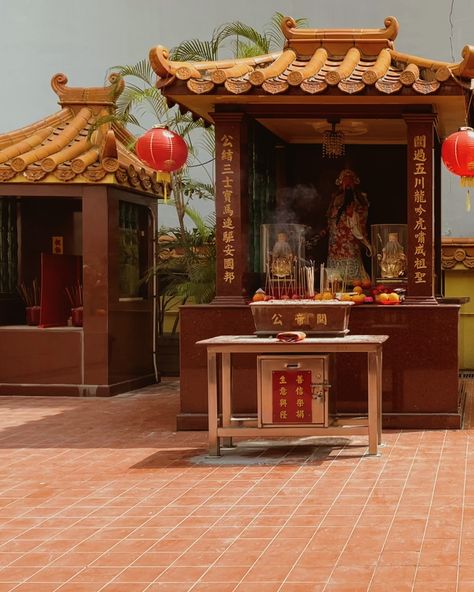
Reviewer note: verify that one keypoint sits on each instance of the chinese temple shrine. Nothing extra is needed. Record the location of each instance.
(272, 114)
(77, 216)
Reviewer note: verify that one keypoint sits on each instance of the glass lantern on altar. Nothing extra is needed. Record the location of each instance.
(389, 247)
(283, 260)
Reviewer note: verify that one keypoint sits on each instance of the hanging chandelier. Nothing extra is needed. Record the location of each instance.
(333, 141)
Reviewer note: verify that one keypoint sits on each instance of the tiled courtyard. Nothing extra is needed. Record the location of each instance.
(102, 494)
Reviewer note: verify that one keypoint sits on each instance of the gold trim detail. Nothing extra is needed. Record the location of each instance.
(388, 87)
(313, 87)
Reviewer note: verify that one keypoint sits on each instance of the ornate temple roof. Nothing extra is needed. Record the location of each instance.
(328, 63)
(61, 148)
(313, 60)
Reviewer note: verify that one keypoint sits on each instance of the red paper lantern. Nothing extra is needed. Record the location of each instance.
(457, 153)
(162, 149)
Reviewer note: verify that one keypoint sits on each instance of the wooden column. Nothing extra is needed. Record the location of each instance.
(437, 216)
(231, 208)
(420, 208)
(96, 258)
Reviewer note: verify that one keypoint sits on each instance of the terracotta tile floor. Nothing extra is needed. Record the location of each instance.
(101, 494)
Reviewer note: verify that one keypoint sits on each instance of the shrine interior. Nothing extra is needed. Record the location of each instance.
(292, 183)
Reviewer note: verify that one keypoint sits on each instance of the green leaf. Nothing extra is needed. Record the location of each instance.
(239, 29)
(274, 33)
(195, 50)
(141, 70)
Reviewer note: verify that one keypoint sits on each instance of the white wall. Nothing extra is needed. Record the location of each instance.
(83, 38)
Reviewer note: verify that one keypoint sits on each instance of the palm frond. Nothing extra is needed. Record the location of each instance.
(208, 141)
(141, 70)
(197, 189)
(274, 33)
(201, 284)
(239, 29)
(195, 50)
(245, 49)
(135, 97)
(205, 227)
(183, 124)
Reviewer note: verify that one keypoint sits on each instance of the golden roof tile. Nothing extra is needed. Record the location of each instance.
(73, 146)
(350, 60)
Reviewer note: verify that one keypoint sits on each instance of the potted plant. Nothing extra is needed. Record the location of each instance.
(185, 271)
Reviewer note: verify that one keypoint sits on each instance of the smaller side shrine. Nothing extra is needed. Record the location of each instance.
(77, 220)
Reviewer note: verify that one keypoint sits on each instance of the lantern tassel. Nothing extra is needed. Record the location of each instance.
(467, 182)
(165, 192)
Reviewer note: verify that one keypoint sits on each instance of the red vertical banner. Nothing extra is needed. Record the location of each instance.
(230, 213)
(420, 210)
(292, 396)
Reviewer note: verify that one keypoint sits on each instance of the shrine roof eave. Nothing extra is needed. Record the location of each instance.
(80, 144)
(56, 184)
(316, 65)
(449, 103)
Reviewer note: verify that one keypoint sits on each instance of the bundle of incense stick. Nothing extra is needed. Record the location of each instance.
(301, 287)
(74, 294)
(30, 294)
(344, 279)
(309, 276)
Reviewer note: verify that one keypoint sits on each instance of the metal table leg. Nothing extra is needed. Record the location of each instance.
(379, 388)
(214, 447)
(226, 397)
(373, 402)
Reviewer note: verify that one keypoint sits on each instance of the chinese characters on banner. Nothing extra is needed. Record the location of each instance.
(291, 396)
(227, 226)
(422, 245)
(299, 320)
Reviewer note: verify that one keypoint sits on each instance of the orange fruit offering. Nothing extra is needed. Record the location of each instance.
(259, 296)
(327, 296)
(357, 289)
(394, 297)
(383, 297)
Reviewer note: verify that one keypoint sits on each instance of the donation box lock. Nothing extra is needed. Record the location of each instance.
(292, 390)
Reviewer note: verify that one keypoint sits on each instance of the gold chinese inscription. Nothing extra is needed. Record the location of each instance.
(227, 225)
(277, 318)
(419, 158)
(292, 396)
(301, 319)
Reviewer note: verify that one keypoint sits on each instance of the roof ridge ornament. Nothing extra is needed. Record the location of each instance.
(92, 96)
(338, 41)
(292, 32)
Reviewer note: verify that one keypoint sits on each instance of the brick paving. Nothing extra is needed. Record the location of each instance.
(103, 495)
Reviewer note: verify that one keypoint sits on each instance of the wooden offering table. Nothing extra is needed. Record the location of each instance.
(219, 376)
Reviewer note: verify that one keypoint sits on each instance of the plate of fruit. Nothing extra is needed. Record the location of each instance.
(388, 298)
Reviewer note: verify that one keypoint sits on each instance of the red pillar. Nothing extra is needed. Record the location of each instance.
(96, 269)
(420, 208)
(231, 208)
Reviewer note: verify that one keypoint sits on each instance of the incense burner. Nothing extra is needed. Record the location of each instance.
(328, 317)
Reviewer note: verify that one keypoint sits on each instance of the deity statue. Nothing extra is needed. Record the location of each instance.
(347, 219)
(282, 256)
(393, 259)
